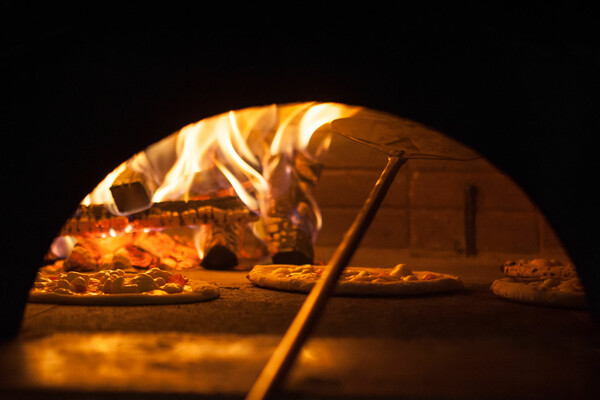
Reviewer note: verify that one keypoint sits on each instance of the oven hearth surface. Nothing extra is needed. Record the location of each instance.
(469, 344)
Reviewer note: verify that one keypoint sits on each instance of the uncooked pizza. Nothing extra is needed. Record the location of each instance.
(360, 281)
(118, 287)
(541, 281)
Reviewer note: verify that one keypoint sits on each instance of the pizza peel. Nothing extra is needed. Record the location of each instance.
(399, 142)
(397, 136)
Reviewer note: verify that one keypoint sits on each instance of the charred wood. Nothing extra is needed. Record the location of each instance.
(219, 257)
(291, 221)
(131, 191)
(221, 245)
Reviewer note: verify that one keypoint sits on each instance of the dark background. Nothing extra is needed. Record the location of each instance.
(85, 88)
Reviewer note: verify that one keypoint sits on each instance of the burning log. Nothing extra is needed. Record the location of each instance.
(96, 219)
(291, 220)
(222, 221)
(221, 245)
(131, 191)
(288, 243)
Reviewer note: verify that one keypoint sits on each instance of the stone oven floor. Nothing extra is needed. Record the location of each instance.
(464, 345)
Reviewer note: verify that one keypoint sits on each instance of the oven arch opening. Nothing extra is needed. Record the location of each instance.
(465, 174)
(574, 244)
(451, 201)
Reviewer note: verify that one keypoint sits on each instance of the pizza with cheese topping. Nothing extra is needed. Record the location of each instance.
(361, 281)
(541, 281)
(118, 287)
(539, 267)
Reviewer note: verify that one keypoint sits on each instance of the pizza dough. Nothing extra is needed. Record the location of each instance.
(117, 287)
(547, 292)
(541, 281)
(364, 281)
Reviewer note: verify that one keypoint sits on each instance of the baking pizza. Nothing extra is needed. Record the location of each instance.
(118, 287)
(541, 281)
(539, 267)
(364, 281)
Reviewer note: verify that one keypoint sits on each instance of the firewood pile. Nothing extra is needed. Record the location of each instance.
(145, 238)
(96, 219)
(289, 223)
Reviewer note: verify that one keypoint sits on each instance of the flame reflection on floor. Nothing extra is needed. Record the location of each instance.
(192, 364)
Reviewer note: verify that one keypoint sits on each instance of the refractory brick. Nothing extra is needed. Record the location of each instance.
(495, 192)
(351, 187)
(389, 228)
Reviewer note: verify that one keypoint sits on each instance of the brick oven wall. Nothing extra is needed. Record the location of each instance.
(423, 212)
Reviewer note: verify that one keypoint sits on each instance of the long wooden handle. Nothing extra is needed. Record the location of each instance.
(286, 352)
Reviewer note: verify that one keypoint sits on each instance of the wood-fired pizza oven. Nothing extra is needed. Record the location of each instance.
(517, 107)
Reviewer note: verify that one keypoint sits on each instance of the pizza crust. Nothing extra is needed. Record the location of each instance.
(367, 284)
(547, 292)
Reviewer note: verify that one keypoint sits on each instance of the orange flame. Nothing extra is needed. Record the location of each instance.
(227, 154)
(101, 194)
(226, 150)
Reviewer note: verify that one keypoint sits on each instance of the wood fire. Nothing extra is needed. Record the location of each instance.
(222, 193)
